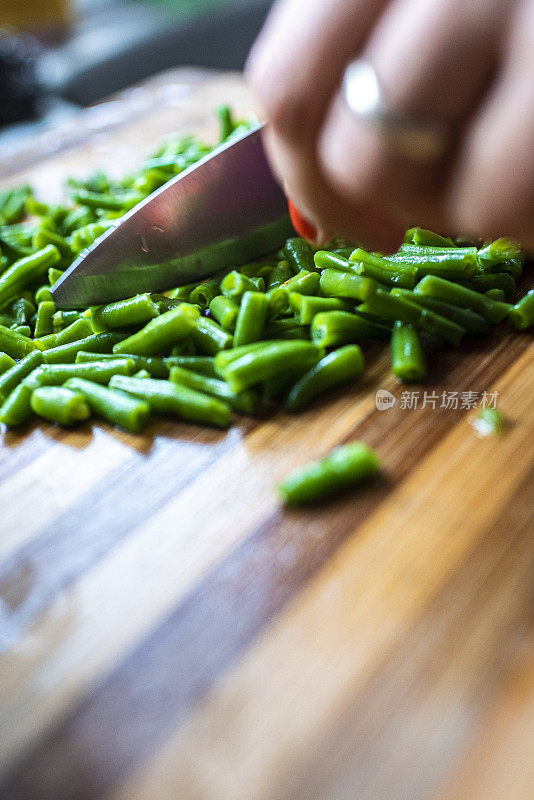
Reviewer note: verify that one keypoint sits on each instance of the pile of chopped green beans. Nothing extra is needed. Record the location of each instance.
(286, 328)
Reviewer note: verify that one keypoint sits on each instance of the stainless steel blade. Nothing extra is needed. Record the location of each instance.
(226, 209)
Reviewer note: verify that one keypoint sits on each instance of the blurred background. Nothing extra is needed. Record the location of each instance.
(59, 55)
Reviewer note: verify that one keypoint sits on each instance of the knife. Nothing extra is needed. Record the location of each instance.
(225, 210)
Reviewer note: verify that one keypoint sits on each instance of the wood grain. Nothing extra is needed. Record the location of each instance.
(167, 630)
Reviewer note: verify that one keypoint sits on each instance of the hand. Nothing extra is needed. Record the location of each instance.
(467, 63)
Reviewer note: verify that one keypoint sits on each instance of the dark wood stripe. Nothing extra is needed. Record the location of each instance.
(72, 543)
(134, 709)
(364, 750)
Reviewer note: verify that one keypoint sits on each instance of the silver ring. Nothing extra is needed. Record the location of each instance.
(418, 140)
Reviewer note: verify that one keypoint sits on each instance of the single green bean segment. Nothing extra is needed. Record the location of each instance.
(235, 285)
(204, 293)
(383, 270)
(335, 369)
(15, 344)
(262, 364)
(6, 362)
(205, 365)
(160, 333)
(16, 409)
(407, 357)
(251, 318)
(335, 328)
(346, 467)
(13, 376)
(299, 254)
(137, 310)
(454, 263)
(335, 283)
(224, 310)
(44, 324)
(326, 260)
(442, 289)
(522, 314)
(59, 404)
(209, 337)
(494, 280)
(246, 402)
(281, 273)
(79, 329)
(116, 407)
(425, 238)
(96, 343)
(490, 422)
(153, 364)
(96, 371)
(470, 320)
(171, 398)
(26, 271)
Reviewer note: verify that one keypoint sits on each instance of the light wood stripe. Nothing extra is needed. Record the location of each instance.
(255, 728)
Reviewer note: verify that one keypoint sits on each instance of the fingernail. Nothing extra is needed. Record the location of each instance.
(302, 226)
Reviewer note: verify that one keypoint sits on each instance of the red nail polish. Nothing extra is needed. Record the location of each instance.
(301, 224)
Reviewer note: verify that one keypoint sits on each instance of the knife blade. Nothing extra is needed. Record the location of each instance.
(225, 210)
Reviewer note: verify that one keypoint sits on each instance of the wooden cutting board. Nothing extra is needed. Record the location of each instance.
(168, 631)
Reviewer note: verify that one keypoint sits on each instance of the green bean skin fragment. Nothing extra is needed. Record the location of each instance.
(383, 270)
(299, 254)
(116, 407)
(334, 283)
(11, 378)
(96, 371)
(251, 318)
(44, 323)
(96, 343)
(6, 362)
(336, 369)
(335, 328)
(160, 333)
(470, 320)
(16, 408)
(522, 314)
(205, 365)
(136, 310)
(425, 238)
(407, 357)
(26, 271)
(490, 422)
(271, 360)
(59, 404)
(246, 402)
(171, 398)
(442, 289)
(79, 329)
(500, 252)
(345, 467)
(224, 310)
(209, 337)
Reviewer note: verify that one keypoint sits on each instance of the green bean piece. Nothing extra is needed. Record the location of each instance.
(495, 280)
(153, 364)
(43, 236)
(210, 337)
(97, 343)
(251, 318)
(108, 202)
(224, 310)
(171, 398)
(324, 259)
(454, 263)
(11, 378)
(344, 468)
(161, 332)
(281, 273)
(425, 238)
(21, 311)
(335, 283)
(246, 402)
(182, 292)
(470, 320)
(16, 408)
(500, 252)
(407, 358)
(203, 293)
(299, 254)
(335, 328)
(496, 294)
(6, 362)
(337, 368)
(226, 122)
(96, 371)
(64, 318)
(522, 314)
(442, 289)
(116, 407)
(59, 404)
(14, 344)
(205, 365)
(490, 422)
(43, 294)
(135, 311)
(143, 373)
(46, 342)
(79, 329)
(383, 270)
(54, 275)
(25, 330)
(262, 364)
(307, 306)
(235, 285)
(44, 324)
(26, 271)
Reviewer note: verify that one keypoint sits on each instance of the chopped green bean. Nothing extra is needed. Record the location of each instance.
(335, 283)
(15, 344)
(262, 364)
(160, 333)
(224, 310)
(16, 408)
(246, 402)
(251, 318)
(44, 324)
(335, 328)
(97, 343)
(299, 254)
(522, 314)
(11, 378)
(442, 289)
(6, 362)
(135, 311)
(116, 407)
(407, 358)
(209, 337)
(59, 404)
(26, 271)
(336, 369)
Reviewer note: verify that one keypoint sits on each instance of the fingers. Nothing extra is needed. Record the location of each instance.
(433, 60)
(492, 191)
